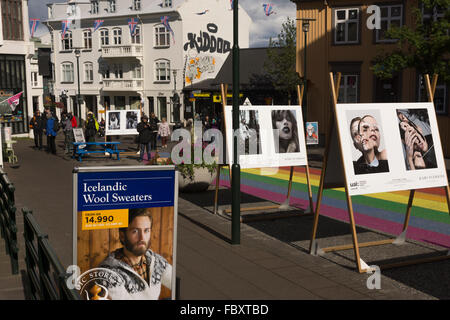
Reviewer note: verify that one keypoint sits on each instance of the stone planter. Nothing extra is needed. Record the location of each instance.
(202, 180)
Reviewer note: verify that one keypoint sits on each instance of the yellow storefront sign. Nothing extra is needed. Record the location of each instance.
(104, 219)
(218, 98)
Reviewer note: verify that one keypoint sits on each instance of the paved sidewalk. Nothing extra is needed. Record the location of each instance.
(209, 267)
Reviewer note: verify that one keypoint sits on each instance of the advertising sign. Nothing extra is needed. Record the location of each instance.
(122, 122)
(268, 136)
(390, 147)
(125, 224)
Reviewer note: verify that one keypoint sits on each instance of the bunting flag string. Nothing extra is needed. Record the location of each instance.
(33, 26)
(165, 22)
(268, 9)
(65, 28)
(98, 24)
(132, 23)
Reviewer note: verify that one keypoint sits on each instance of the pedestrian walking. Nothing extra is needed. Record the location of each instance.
(37, 124)
(51, 130)
(90, 130)
(154, 128)
(66, 124)
(145, 138)
(164, 132)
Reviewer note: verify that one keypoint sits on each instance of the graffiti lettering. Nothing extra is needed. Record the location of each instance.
(206, 42)
(196, 67)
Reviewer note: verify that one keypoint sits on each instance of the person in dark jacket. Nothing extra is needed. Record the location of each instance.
(154, 127)
(66, 124)
(37, 124)
(90, 130)
(51, 130)
(145, 138)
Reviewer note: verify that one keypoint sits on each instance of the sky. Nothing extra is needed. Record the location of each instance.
(262, 29)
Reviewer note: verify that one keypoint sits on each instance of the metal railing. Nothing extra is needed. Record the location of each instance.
(48, 279)
(8, 225)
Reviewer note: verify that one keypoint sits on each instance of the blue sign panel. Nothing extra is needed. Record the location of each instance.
(125, 190)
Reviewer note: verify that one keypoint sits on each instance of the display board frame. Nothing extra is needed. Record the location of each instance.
(163, 202)
(285, 204)
(339, 179)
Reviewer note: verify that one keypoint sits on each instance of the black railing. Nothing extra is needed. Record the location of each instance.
(8, 225)
(48, 279)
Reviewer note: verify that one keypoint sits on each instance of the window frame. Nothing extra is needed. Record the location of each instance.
(117, 38)
(346, 22)
(157, 32)
(112, 6)
(89, 72)
(67, 37)
(137, 5)
(87, 37)
(423, 96)
(34, 79)
(103, 37)
(389, 19)
(136, 38)
(95, 6)
(69, 71)
(167, 3)
(157, 77)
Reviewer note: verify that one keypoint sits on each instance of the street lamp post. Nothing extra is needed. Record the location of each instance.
(305, 29)
(236, 168)
(77, 55)
(175, 98)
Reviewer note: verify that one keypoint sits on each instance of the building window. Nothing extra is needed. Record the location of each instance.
(137, 5)
(162, 36)
(34, 79)
(137, 71)
(118, 71)
(346, 26)
(167, 3)
(162, 70)
(348, 90)
(104, 37)
(12, 20)
(66, 43)
(430, 15)
(117, 36)
(94, 7)
(104, 70)
(441, 95)
(88, 72)
(112, 6)
(136, 38)
(391, 16)
(67, 72)
(87, 39)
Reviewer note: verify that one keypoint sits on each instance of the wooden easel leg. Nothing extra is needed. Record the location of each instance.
(316, 214)
(216, 196)
(408, 209)
(447, 193)
(285, 204)
(354, 236)
(308, 181)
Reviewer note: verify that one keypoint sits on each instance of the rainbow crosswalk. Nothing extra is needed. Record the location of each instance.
(429, 221)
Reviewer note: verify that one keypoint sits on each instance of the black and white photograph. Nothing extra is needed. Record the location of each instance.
(249, 133)
(132, 119)
(284, 125)
(113, 120)
(368, 151)
(417, 140)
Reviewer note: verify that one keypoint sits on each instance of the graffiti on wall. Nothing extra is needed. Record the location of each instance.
(196, 66)
(205, 41)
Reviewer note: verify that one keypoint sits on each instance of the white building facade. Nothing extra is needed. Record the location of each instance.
(118, 70)
(15, 54)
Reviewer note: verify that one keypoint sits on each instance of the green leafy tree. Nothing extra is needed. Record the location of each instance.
(424, 46)
(281, 57)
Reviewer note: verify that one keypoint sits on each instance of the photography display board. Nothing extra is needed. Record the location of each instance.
(122, 122)
(390, 147)
(118, 208)
(268, 136)
(312, 133)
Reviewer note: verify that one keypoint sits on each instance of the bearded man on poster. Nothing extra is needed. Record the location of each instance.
(142, 270)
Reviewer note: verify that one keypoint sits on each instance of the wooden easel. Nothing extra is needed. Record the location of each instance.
(285, 204)
(361, 265)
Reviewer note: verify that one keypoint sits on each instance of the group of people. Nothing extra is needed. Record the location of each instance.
(49, 125)
(149, 129)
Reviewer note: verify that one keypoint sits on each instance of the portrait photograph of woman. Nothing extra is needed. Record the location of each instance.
(284, 124)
